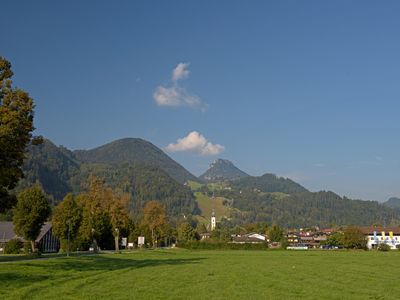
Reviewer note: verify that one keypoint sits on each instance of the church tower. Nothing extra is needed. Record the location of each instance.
(213, 221)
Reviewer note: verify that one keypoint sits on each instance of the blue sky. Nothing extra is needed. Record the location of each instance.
(304, 89)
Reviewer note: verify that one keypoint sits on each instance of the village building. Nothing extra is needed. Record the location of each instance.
(250, 238)
(377, 235)
(309, 239)
(46, 242)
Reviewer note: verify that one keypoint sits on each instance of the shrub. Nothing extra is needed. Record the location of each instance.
(383, 247)
(13, 246)
(211, 245)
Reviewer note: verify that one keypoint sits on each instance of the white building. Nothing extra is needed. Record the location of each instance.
(213, 221)
(382, 235)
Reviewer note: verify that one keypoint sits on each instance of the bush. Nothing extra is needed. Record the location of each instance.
(13, 246)
(383, 247)
(27, 248)
(211, 245)
(353, 238)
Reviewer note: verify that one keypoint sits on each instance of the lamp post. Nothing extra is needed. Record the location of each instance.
(94, 241)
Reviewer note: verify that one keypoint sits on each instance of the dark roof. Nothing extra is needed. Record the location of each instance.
(307, 238)
(7, 231)
(45, 228)
(370, 230)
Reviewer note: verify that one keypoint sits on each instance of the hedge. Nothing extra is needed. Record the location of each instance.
(202, 245)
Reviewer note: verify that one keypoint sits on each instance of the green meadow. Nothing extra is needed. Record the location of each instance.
(184, 274)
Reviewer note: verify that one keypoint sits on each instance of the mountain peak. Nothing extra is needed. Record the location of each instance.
(135, 150)
(222, 169)
(393, 202)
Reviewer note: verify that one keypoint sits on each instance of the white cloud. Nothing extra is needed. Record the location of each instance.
(177, 96)
(174, 95)
(196, 143)
(180, 72)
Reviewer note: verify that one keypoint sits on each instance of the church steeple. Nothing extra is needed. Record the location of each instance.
(213, 220)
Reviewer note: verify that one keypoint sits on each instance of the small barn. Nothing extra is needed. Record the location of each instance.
(46, 242)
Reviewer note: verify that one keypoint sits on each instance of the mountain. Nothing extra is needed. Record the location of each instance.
(135, 150)
(130, 165)
(222, 169)
(304, 209)
(392, 202)
(50, 166)
(141, 169)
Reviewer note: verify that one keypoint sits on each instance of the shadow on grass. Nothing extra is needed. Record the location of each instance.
(20, 278)
(105, 263)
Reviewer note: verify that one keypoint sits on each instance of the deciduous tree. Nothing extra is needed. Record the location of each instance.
(186, 232)
(155, 218)
(275, 234)
(335, 239)
(105, 213)
(16, 126)
(66, 220)
(30, 213)
(353, 238)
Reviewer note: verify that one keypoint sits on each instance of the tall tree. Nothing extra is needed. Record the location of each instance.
(275, 233)
(30, 213)
(16, 126)
(105, 213)
(95, 217)
(353, 238)
(186, 232)
(119, 215)
(155, 218)
(66, 220)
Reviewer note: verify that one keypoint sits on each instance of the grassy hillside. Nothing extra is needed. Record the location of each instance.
(182, 274)
(208, 204)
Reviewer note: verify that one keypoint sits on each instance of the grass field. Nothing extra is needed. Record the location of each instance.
(183, 274)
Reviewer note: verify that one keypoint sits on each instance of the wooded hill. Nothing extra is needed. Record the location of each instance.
(273, 199)
(145, 172)
(135, 166)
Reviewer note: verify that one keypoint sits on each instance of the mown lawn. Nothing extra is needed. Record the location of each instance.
(184, 274)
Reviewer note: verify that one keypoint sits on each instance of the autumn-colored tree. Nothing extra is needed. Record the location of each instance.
(119, 215)
(95, 225)
(154, 217)
(16, 126)
(104, 212)
(30, 213)
(66, 220)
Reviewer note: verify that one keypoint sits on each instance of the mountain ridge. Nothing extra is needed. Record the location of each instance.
(393, 202)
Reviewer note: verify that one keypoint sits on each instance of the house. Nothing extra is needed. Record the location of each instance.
(205, 235)
(250, 238)
(45, 241)
(309, 239)
(377, 235)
